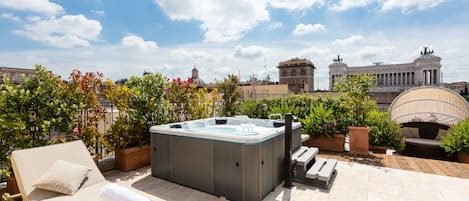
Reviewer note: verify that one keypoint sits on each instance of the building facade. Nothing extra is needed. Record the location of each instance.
(298, 74)
(423, 71)
(259, 91)
(15, 74)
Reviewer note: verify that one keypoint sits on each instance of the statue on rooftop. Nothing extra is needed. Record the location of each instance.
(338, 60)
(426, 51)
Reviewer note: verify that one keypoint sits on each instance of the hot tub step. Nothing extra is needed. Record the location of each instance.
(299, 152)
(307, 156)
(322, 169)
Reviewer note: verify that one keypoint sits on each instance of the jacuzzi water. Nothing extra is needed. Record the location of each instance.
(240, 130)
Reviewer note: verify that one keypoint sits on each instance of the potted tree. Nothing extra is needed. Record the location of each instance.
(322, 128)
(456, 141)
(355, 92)
(141, 105)
(383, 133)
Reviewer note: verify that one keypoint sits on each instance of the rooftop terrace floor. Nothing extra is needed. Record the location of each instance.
(423, 165)
(354, 181)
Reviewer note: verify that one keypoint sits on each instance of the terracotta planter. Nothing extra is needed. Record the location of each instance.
(12, 187)
(378, 149)
(463, 157)
(335, 143)
(132, 158)
(358, 140)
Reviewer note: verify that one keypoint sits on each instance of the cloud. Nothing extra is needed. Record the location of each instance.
(314, 51)
(250, 52)
(344, 5)
(100, 13)
(38, 6)
(297, 5)
(348, 41)
(302, 29)
(33, 18)
(64, 32)
(408, 4)
(222, 21)
(133, 41)
(10, 17)
(194, 55)
(275, 25)
(372, 52)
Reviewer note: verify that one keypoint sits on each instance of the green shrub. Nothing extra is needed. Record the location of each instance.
(283, 108)
(32, 110)
(319, 122)
(231, 94)
(298, 105)
(457, 138)
(382, 131)
(141, 105)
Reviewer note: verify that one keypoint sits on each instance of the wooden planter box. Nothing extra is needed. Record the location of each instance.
(335, 143)
(378, 149)
(358, 140)
(132, 158)
(12, 186)
(463, 157)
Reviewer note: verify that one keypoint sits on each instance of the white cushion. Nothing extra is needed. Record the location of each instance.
(63, 177)
(114, 192)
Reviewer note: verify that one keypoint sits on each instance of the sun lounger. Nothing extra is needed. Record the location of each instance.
(30, 164)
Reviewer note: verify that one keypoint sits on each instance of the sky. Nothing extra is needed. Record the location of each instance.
(120, 38)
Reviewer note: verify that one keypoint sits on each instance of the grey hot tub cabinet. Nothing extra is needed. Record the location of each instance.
(240, 172)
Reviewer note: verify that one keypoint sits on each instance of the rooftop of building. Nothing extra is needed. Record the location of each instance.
(4, 68)
(296, 62)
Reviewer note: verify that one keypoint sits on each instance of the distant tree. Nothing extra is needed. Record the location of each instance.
(231, 95)
(121, 81)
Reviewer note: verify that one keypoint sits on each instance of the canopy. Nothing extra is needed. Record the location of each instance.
(429, 104)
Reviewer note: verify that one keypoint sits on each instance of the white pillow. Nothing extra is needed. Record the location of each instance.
(63, 177)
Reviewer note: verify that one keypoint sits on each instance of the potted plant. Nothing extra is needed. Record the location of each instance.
(383, 133)
(456, 141)
(141, 105)
(321, 126)
(355, 92)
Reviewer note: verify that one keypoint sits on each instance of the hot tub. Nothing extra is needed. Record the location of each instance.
(237, 158)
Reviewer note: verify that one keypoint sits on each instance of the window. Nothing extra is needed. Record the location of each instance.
(293, 72)
(284, 73)
(18, 77)
(303, 71)
(292, 81)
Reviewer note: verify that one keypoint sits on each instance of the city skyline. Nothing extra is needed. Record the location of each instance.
(122, 38)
